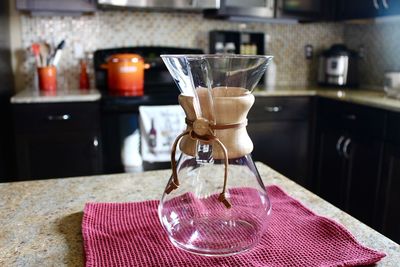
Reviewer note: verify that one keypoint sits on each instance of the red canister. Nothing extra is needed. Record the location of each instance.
(47, 78)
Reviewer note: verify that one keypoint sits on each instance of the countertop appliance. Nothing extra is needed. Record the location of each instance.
(120, 113)
(338, 66)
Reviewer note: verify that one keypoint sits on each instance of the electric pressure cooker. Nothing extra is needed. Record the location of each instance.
(338, 66)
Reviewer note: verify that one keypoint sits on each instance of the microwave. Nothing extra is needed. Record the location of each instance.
(242, 10)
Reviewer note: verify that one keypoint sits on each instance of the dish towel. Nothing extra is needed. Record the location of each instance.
(130, 234)
(159, 126)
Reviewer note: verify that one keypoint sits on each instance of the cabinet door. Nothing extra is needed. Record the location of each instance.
(388, 212)
(282, 145)
(331, 172)
(358, 9)
(364, 157)
(58, 155)
(389, 7)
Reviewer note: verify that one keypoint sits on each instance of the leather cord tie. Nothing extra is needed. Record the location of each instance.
(202, 130)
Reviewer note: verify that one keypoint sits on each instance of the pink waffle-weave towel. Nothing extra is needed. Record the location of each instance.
(130, 234)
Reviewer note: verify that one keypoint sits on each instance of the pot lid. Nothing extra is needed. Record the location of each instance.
(125, 57)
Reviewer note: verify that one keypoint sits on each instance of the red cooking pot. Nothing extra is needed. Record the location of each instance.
(125, 74)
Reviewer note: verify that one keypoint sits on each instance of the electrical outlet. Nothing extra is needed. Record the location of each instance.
(308, 51)
(78, 50)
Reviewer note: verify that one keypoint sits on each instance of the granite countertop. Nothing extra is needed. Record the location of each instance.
(371, 98)
(29, 96)
(41, 220)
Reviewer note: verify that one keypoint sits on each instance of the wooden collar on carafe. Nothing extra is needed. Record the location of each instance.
(202, 130)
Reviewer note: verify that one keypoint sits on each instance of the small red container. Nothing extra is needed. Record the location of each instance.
(47, 78)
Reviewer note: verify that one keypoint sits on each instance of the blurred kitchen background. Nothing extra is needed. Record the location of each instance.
(285, 40)
(326, 112)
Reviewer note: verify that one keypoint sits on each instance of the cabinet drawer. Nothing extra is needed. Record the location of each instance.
(352, 117)
(280, 108)
(56, 117)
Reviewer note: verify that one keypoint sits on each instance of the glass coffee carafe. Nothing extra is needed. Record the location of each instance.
(215, 203)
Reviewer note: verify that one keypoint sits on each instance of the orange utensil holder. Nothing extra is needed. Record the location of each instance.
(47, 78)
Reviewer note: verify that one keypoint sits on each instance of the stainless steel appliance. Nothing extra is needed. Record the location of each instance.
(338, 66)
(120, 113)
(242, 10)
(161, 4)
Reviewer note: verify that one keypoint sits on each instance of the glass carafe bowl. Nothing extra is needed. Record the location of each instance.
(215, 203)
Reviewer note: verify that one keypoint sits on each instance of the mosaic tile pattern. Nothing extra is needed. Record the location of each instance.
(381, 43)
(127, 28)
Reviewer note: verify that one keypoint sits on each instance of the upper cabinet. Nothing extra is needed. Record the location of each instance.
(389, 7)
(57, 6)
(365, 9)
(305, 10)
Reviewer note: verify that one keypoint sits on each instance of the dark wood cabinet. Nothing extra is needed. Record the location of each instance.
(280, 130)
(57, 140)
(331, 168)
(388, 211)
(389, 7)
(349, 157)
(357, 9)
(365, 9)
(364, 161)
(305, 10)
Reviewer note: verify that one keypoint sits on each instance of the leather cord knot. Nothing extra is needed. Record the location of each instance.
(201, 129)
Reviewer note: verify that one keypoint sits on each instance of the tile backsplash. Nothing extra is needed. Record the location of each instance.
(106, 29)
(381, 45)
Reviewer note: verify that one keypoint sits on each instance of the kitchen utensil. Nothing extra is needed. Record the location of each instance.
(338, 66)
(215, 203)
(125, 74)
(44, 53)
(55, 59)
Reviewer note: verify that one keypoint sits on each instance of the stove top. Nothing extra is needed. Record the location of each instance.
(157, 80)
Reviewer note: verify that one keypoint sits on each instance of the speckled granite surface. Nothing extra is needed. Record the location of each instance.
(28, 96)
(371, 98)
(41, 220)
(365, 97)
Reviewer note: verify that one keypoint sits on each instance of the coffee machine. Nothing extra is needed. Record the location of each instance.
(338, 66)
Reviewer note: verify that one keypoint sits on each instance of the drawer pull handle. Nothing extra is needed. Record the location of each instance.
(63, 117)
(339, 145)
(375, 3)
(274, 109)
(346, 145)
(351, 117)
